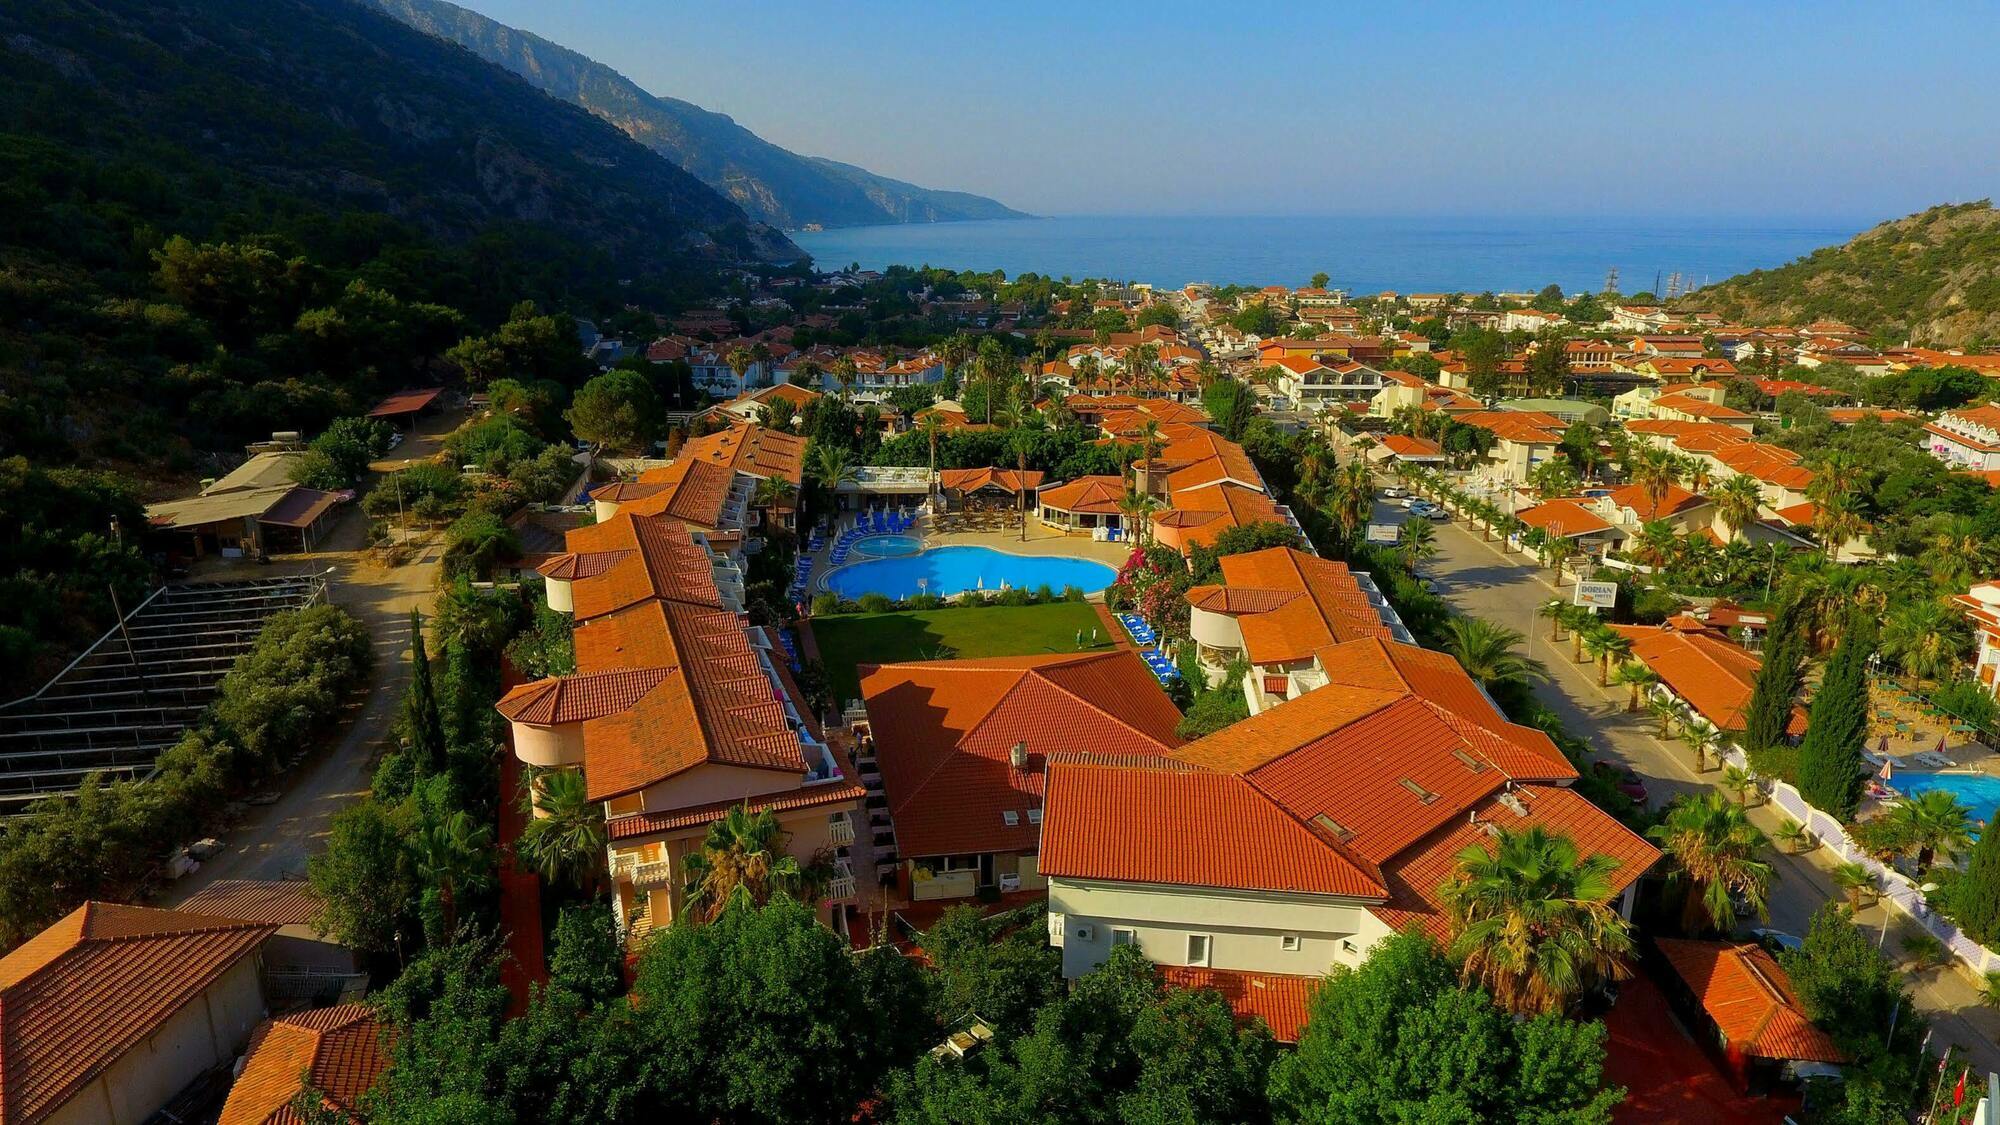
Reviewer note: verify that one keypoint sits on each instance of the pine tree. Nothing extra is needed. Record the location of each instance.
(1831, 768)
(1777, 685)
(1976, 898)
(423, 729)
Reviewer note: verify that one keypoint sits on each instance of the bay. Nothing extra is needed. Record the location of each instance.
(1362, 255)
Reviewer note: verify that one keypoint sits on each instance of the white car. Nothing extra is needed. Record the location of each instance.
(1408, 501)
(1391, 493)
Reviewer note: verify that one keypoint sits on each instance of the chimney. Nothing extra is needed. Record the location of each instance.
(1018, 756)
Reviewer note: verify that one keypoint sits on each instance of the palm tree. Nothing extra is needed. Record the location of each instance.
(930, 427)
(1837, 523)
(565, 840)
(1351, 498)
(845, 374)
(1486, 651)
(454, 857)
(1086, 370)
(1958, 552)
(1737, 502)
(743, 853)
(1638, 678)
(1793, 836)
(772, 493)
(1137, 508)
(1533, 921)
(1714, 848)
(1699, 738)
(1419, 543)
(1854, 880)
(1654, 470)
(739, 361)
(1559, 550)
(1933, 825)
(1558, 613)
(1929, 640)
(1654, 545)
(1741, 782)
(1666, 709)
(1606, 645)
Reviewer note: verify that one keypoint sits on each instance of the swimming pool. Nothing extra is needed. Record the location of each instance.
(887, 546)
(1976, 791)
(954, 570)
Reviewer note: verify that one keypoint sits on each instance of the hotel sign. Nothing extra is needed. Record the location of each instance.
(1597, 595)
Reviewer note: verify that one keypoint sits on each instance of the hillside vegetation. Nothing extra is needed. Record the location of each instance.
(1933, 277)
(772, 184)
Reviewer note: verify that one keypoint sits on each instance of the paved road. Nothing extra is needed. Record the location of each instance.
(274, 841)
(1478, 578)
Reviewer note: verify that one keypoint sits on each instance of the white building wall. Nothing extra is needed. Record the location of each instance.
(1246, 930)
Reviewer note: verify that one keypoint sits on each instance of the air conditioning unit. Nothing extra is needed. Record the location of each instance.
(1084, 931)
(1010, 882)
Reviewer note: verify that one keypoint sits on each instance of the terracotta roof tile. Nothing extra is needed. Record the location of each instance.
(1675, 501)
(1715, 677)
(1094, 495)
(80, 994)
(944, 730)
(1168, 822)
(1279, 999)
(284, 902)
(1415, 876)
(339, 1051)
(693, 491)
(1330, 607)
(750, 448)
(1572, 518)
(1746, 992)
(1007, 480)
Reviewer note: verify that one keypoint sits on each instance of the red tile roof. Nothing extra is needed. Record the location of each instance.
(1673, 502)
(1326, 605)
(338, 1051)
(1279, 999)
(694, 492)
(285, 902)
(1093, 495)
(1403, 445)
(1007, 480)
(1715, 677)
(944, 731)
(1164, 821)
(750, 448)
(1415, 875)
(77, 996)
(1746, 992)
(1563, 517)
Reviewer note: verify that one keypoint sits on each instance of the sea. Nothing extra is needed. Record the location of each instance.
(1360, 255)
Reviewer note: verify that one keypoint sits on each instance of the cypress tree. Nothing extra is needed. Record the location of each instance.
(1831, 768)
(423, 729)
(1976, 898)
(1777, 684)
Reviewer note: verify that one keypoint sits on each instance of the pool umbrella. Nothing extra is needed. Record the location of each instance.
(1940, 745)
(1883, 746)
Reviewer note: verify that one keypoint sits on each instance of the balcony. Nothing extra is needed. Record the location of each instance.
(644, 875)
(840, 829)
(841, 887)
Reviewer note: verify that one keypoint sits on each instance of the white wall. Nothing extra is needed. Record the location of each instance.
(1245, 928)
(209, 1029)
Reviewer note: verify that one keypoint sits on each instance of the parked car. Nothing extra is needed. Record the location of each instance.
(1410, 502)
(1391, 493)
(1437, 515)
(1777, 941)
(1628, 782)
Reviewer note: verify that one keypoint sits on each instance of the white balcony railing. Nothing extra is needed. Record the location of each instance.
(642, 874)
(841, 887)
(840, 828)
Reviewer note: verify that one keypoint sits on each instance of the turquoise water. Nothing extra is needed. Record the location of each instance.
(1976, 791)
(1363, 255)
(887, 546)
(954, 570)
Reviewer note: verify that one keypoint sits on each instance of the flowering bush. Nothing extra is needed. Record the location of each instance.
(1154, 583)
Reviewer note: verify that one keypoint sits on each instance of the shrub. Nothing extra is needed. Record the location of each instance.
(1073, 593)
(872, 602)
(474, 542)
(825, 605)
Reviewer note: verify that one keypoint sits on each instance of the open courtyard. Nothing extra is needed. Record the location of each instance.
(850, 640)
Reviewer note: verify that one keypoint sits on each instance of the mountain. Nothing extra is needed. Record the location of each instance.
(304, 104)
(771, 184)
(1933, 276)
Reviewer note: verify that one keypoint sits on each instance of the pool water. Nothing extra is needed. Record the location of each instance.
(887, 546)
(1976, 791)
(954, 570)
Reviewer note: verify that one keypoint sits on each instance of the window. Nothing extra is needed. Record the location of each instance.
(1347, 947)
(1289, 943)
(1010, 818)
(1034, 816)
(1197, 953)
(1124, 937)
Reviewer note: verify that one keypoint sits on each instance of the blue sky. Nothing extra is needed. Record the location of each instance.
(1091, 107)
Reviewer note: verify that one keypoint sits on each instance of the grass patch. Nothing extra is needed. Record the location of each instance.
(850, 640)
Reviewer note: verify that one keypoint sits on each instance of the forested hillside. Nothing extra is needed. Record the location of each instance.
(225, 218)
(771, 183)
(1934, 277)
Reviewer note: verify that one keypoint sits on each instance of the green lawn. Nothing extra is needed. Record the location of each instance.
(848, 640)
